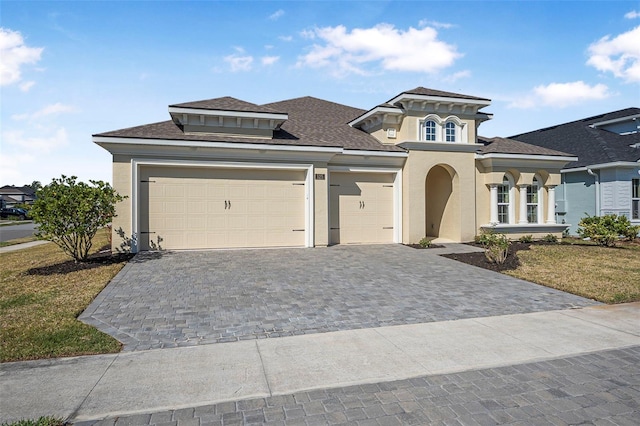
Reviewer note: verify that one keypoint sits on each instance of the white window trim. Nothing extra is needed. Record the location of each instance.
(635, 198)
(511, 204)
(460, 129)
(540, 203)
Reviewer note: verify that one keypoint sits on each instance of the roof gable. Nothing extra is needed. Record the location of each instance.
(592, 145)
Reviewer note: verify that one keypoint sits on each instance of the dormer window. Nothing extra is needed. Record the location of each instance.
(436, 129)
(450, 132)
(430, 131)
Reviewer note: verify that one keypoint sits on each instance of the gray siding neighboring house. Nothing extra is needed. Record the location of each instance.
(13, 195)
(606, 177)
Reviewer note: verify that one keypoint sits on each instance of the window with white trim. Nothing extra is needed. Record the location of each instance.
(532, 201)
(450, 132)
(430, 131)
(504, 201)
(635, 199)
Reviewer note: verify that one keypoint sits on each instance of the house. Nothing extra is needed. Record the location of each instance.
(13, 195)
(307, 172)
(606, 177)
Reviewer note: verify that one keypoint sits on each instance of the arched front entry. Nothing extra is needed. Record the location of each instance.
(442, 203)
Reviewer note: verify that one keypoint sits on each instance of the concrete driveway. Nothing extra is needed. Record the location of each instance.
(171, 299)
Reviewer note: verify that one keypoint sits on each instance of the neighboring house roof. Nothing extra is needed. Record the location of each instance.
(311, 122)
(431, 92)
(590, 144)
(226, 103)
(17, 190)
(510, 146)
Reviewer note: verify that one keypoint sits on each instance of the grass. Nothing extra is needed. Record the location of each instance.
(18, 241)
(42, 291)
(605, 274)
(42, 421)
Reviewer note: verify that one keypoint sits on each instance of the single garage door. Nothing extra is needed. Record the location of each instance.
(361, 206)
(199, 208)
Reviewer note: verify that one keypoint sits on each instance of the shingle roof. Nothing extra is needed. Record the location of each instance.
(510, 146)
(226, 103)
(311, 122)
(591, 145)
(440, 93)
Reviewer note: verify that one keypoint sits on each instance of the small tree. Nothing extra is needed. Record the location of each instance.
(70, 213)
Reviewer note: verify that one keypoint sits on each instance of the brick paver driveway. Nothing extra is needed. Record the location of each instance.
(174, 299)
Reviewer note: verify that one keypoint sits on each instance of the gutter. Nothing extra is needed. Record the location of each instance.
(597, 178)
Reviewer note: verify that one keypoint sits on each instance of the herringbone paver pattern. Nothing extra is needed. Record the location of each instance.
(596, 389)
(175, 299)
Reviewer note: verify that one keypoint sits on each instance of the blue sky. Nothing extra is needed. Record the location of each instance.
(72, 69)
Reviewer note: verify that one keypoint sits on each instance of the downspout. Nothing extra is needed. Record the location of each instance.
(597, 178)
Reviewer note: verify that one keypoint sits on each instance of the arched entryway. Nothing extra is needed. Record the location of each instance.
(442, 206)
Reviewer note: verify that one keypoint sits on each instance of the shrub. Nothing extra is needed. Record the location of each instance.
(425, 243)
(526, 239)
(69, 213)
(496, 247)
(42, 421)
(605, 230)
(550, 238)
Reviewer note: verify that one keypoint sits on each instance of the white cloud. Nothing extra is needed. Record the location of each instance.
(457, 76)
(26, 86)
(52, 109)
(14, 55)
(239, 62)
(276, 15)
(632, 15)
(619, 55)
(560, 95)
(416, 50)
(435, 24)
(269, 60)
(46, 142)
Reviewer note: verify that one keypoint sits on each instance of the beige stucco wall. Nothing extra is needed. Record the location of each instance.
(409, 128)
(321, 206)
(461, 221)
(122, 184)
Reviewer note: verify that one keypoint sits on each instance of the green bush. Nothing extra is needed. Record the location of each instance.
(496, 246)
(42, 421)
(606, 230)
(425, 243)
(69, 213)
(550, 238)
(526, 239)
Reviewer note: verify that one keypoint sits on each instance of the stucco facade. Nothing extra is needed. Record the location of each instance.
(308, 172)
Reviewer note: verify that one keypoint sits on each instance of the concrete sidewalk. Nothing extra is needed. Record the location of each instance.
(22, 246)
(95, 387)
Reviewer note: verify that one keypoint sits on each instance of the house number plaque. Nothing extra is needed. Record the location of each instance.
(319, 176)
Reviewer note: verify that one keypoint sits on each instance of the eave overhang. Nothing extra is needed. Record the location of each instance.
(492, 160)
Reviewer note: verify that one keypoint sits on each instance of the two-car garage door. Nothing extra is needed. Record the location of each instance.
(196, 208)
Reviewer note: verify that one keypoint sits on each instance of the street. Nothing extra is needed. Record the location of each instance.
(12, 232)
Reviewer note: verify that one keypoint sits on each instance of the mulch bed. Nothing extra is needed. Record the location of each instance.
(480, 260)
(103, 257)
(419, 247)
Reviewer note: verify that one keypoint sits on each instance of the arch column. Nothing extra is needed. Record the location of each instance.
(494, 203)
(551, 205)
(523, 205)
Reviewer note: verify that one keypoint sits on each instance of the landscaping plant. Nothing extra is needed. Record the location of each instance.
(69, 213)
(425, 242)
(496, 246)
(606, 230)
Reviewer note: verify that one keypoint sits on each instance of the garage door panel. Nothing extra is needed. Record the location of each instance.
(217, 208)
(361, 209)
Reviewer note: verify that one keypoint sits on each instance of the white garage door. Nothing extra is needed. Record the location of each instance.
(361, 206)
(198, 208)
